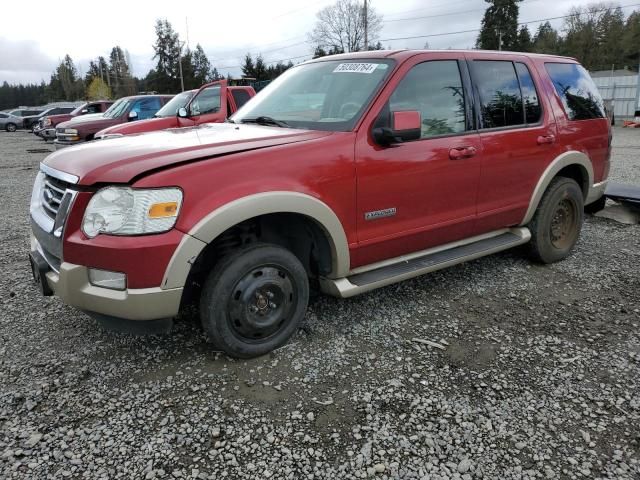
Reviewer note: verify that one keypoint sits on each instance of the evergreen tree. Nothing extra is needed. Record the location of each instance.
(524, 43)
(166, 78)
(546, 40)
(260, 69)
(214, 75)
(188, 74)
(248, 68)
(201, 66)
(500, 23)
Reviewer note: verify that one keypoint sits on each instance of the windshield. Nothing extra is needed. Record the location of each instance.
(327, 95)
(118, 108)
(175, 104)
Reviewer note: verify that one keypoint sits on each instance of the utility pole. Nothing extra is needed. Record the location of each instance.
(180, 67)
(366, 27)
(500, 40)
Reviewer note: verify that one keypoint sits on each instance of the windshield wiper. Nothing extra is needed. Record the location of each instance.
(264, 120)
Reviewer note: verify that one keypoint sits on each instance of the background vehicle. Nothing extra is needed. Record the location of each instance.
(211, 103)
(347, 173)
(46, 126)
(10, 122)
(30, 121)
(23, 112)
(127, 109)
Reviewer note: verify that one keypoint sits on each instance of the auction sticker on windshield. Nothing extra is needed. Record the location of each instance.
(356, 67)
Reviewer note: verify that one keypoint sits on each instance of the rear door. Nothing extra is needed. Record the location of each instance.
(517, 132)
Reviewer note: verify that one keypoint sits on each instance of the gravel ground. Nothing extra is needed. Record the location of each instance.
(538, 377)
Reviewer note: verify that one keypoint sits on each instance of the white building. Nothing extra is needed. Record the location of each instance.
(620, 88)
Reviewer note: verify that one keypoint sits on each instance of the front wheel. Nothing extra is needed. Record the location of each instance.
(254, 300)
(11, 127)
(557, 222)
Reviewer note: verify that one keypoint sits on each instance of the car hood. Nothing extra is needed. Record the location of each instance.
(123, 159)
(79, 120)
(139, 126)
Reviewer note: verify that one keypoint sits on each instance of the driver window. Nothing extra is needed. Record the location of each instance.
(435, 90)
(207, 101)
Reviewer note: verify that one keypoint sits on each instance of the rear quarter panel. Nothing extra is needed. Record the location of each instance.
(590, 137)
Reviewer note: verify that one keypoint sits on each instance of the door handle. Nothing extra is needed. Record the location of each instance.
(546, 139)
(459, 153)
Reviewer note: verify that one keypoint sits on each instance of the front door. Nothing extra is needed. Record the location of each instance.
(422, 193)
(208, 105)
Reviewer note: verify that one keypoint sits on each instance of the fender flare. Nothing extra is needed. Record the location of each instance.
(563, 160)
(244, 208)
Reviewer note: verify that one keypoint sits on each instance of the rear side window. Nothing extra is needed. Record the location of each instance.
(532, 110)
(240, 97)
(578, 93)
(500, 96)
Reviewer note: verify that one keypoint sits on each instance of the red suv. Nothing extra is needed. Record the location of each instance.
(347, 173)
(127, 109)
(211, 103)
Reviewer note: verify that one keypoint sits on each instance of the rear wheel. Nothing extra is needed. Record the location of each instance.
(557, 222)
(254, 300)
(11, 127)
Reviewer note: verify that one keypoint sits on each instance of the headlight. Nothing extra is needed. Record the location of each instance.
(71, 131)
(129, 211)
(47, 122)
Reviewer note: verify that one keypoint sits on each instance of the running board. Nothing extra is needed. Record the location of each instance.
(380, 274)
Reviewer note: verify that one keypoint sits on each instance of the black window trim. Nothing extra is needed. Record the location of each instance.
(469, 100)
(477, 101)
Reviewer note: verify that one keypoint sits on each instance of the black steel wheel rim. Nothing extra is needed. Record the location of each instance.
(564, 224)
(262, 303)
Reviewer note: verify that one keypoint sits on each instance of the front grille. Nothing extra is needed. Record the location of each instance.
(52, 192)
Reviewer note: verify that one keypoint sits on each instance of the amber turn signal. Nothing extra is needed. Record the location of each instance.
(163, 210)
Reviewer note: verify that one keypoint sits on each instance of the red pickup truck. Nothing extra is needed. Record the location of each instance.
(127, 109)
(346, 174)
(205, 105)
(46, 127)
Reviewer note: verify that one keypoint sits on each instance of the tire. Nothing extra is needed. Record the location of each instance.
(556, 224)
(10, 127)
(596, 206)
(253, 300)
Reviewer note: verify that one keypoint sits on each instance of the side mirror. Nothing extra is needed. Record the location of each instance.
(405, 127)
(133, 116)
(182, 112)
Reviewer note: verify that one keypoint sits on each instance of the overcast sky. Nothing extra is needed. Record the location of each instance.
(36, 34)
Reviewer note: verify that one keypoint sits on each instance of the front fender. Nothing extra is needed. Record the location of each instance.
(232, 213)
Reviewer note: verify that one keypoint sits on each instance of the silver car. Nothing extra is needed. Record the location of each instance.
(10, 122)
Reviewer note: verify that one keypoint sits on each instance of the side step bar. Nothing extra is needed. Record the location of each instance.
(380, 274)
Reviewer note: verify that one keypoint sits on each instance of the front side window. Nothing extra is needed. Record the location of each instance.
(576, 89)
(435, 90)
(2, 115)
(500, 97)
(326, 95)
(93, 108)
(207, 101)
(171, 108)
(146, 107)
